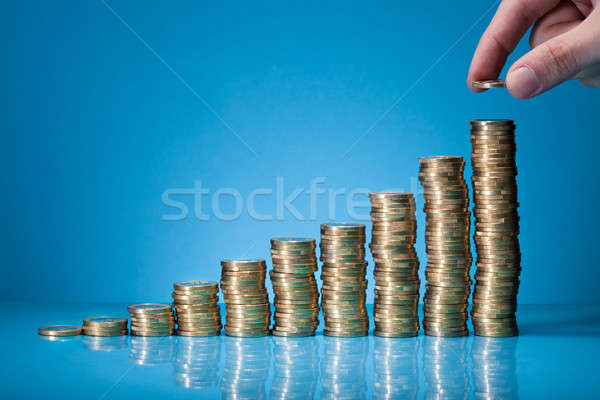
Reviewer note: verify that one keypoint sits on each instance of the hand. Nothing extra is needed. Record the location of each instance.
(565, 43)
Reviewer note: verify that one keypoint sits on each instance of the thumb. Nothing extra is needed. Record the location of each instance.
(552, 62)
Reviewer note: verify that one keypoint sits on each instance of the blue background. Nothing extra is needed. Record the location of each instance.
(95, 128)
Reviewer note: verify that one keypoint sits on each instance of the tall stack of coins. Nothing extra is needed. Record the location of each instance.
(496, 227)
(195, 303)
(295, 287)
(396, 264)
(248, 312)
(151, 319)
(105, 326)
(344, 283)
(448, 245)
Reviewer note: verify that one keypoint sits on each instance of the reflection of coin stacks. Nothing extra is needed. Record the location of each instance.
(296, 368)
(295, 287)
(248, 312)
(396, 374)
(445, 368)
(105, 326)
(496, 228)
(99, 343)
(344, 283)
(494, 368)
(448, 246)
(151, 350)
(246, 368)
(396, 264)
(196, 307)
(343, 374)
(52, 338)
(197, 363)
(151, 319)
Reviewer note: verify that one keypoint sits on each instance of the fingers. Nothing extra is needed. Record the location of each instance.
(511, 22)
(555, 61)
(590, 77)
(562, 18)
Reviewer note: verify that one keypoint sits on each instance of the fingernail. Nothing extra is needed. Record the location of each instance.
(523, 82)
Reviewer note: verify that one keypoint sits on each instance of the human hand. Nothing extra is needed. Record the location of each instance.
(565, 43)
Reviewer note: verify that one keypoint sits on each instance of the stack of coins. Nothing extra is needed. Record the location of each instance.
(396, 264)
(448, 246)
(105, 326)
(496, 228)
(151, 319)
(196, 307)
(344, 283)
(295, 287)
(248, 312)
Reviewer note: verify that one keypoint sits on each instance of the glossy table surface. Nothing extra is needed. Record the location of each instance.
(556, 356)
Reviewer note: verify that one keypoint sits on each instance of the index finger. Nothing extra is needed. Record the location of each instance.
(511, 21)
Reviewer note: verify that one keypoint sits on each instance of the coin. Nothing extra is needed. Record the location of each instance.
(447, 241)
(196, 287)
(105, 322)
(59, 330)
(488, 84)
(496, 228)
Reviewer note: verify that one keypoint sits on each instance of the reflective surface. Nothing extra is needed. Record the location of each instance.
(555, 357)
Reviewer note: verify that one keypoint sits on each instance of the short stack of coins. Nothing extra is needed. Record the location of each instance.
(248, 312)
(496, 227)
(448, 245)
(344, 284)
(295, 287)
(105, 326)
(151, 319)
(396, 264)
(196, 308)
